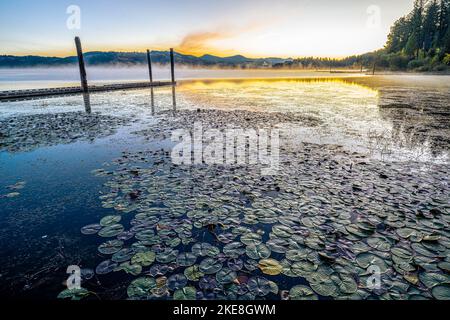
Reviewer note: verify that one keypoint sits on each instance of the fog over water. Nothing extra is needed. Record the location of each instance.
(27, 78)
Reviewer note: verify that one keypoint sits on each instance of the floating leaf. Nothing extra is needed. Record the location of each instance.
(270, 266)
(225, 276)
(110, 247)
(259, 286)
(257, 252)
(177, 281)
(73, 294)
(144, 259)
(186, 293)
(111, 231)
(110, 220)
(123, 255)
(141, 288)
(441, 292)
(193, 273)
(210, 266)
(91, 229)
(166, 256)
(251, 239)
(106, 267)
(235, 264)
(133, 269)
(302, 293)
(366, 259)
(186, 259)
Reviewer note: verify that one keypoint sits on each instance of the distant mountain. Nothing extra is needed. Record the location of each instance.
(97, 58)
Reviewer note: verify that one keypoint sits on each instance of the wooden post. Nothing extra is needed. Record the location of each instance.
(84, 84)
(172, 65)
(374, 66)
(149, 61)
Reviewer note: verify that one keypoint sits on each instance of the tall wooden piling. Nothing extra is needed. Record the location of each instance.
(149, 61)
(83, 78)
(172, 65)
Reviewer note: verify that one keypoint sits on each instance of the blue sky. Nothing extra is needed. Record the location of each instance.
(250, 27)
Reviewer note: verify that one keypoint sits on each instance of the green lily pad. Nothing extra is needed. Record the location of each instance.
(186, 259)
(167, 256)
(226, 275)
(91, 229)
(234, 249)
(144, 259)
(133, 269)
(123, 255)
(177, 281)
(430, 279)
(257, 252)
(186, 293)
(366, 259)
(210, 266)
(193, 273)
(251, 239)
(110, 247)
(111, 231)
(141, 288)
(73, 294)
(441, 292)
(110, 220)
(302, 293)
(259, 286)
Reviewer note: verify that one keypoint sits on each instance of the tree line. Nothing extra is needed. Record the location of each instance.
(419, 41)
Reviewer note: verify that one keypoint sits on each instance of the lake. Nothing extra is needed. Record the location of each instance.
(336, 187)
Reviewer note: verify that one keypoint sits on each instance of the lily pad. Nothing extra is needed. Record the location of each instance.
(259, 286)
(302, 293)
(210, 266)
(73, 294)
(110, 247)
(106, 267)
(177, 281)
(186, 259)
(91, 229)
(193, 273)
(144, 259)
(441, 292)
(186, 293)
(111, 231)
(123, 255)
(226, 275)
(141, 288)
(257, 252)
(110, 220)
(270, 267)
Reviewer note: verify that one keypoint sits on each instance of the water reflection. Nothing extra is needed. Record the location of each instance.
(87, 102)
(392, 121)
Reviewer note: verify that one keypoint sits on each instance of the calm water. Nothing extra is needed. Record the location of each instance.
(334, 129)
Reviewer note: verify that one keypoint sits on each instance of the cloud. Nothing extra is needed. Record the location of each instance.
(201, 42)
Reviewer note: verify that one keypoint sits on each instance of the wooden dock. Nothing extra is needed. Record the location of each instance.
(51, 92)
(85, 87)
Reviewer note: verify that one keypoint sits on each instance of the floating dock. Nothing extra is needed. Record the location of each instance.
(42, 93)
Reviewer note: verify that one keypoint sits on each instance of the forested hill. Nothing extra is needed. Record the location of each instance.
(420, 40)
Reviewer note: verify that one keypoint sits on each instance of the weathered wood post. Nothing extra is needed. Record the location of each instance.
(172, 65)
(149, 61)
(84, 84)
(374, 66)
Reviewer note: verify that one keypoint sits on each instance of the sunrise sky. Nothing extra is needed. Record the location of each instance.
(254, 28)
